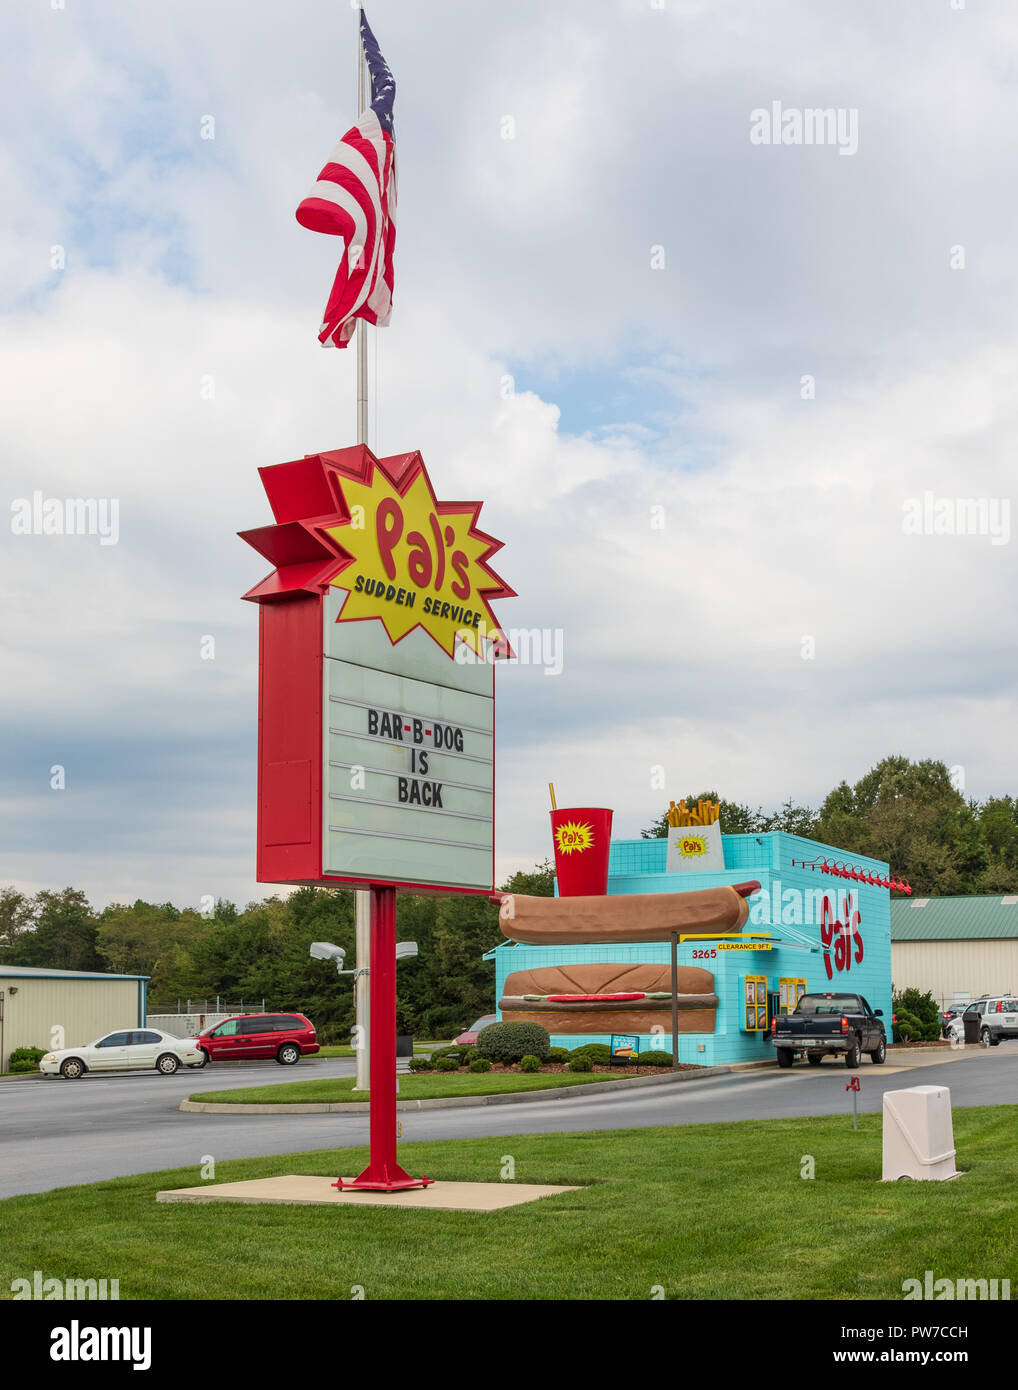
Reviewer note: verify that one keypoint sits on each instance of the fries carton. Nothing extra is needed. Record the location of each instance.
(694, 848)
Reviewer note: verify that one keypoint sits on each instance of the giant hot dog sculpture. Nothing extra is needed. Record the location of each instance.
(609, 996)
(623, 916)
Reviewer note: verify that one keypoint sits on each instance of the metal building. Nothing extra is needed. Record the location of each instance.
(956, 948)
(36, 1004)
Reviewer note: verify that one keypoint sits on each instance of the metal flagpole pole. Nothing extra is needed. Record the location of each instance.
(363, 898)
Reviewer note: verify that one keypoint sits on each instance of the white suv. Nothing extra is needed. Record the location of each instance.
(998, 1018)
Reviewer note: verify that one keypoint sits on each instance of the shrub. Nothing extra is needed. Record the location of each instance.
(478, 1064)
(908, 1028)
(580, 1064)
(558, 1054)
(468, 1054)
(30, 1055)
(530, 1063)
(447, 1064)
(508, 1042)
(449, 1051)
(923, 1010)
(421, 1064)
(597, 1052)
(654, 1059)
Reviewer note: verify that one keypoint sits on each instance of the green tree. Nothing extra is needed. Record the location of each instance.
(538, 882)
(16, 917)
(64, 934)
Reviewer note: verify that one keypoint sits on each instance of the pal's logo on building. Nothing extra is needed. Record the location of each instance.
(694, 848)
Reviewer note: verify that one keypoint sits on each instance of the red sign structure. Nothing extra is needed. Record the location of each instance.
(375, 745)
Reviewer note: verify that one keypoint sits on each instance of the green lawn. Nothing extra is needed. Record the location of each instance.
(704, 1211)
(422, 1086)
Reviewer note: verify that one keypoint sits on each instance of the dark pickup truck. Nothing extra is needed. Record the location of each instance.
(825, 1023)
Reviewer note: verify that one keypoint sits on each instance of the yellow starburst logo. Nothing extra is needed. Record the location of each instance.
(572, 837)
(690, 846)
(415, 561)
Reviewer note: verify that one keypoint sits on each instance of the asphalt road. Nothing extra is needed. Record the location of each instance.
(56, 1133)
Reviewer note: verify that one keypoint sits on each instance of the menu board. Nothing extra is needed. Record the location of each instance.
(754, 1004)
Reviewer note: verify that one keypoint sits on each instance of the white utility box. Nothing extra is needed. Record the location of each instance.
(918, 1134)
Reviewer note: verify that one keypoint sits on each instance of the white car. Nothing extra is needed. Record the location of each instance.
(139, 1049)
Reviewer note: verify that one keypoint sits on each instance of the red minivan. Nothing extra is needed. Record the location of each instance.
(287, 1037)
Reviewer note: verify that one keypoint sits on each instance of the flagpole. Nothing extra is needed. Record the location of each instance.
(363, 898)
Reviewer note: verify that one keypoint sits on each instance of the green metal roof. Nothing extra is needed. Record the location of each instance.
(954, 919)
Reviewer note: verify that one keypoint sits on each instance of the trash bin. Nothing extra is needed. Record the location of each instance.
(404, 1044)
(970, 1022)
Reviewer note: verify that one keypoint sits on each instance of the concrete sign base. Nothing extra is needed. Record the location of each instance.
(301, 1190)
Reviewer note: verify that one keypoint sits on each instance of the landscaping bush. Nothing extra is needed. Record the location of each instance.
(530, 1063)
(469, 1054)
(421, 1064)
(580, 1064)
(597, 1052)
(921, 1009)
(508, 1042)
(559, 1054)
(447, 1064)
(450, 1051)
(478, 1064)
(26, 1058)
(654, 1059)
(908, 1028)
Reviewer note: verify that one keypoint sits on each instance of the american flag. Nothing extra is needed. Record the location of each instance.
(355, 198)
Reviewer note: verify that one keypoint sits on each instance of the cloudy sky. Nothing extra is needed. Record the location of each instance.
(721, 397)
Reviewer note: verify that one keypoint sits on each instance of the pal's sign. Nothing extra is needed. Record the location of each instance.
(376, 739)
(693, 848)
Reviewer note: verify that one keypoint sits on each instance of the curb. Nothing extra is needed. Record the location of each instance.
(453, 1102)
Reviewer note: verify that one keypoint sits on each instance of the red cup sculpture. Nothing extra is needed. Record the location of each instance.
(581, 836)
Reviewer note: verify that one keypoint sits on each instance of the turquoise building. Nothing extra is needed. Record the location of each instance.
(810, 939)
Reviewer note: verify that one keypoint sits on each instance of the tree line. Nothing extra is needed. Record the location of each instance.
(263, 951)
(910, 814)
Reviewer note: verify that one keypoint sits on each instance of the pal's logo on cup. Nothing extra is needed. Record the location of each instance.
(573, 838)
